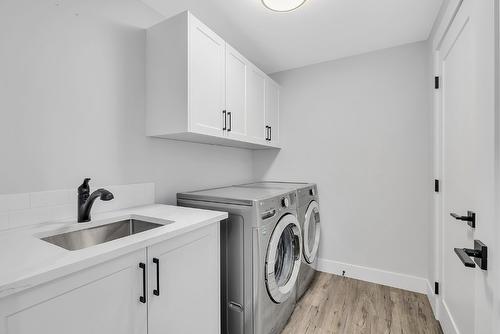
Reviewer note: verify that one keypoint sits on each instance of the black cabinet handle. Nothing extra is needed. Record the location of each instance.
(470, 218)
(270, 133)
(230, 122)
(156, 291)
(142, 298)
(224, 128)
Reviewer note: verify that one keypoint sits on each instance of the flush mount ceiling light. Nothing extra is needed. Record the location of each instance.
(283, 5)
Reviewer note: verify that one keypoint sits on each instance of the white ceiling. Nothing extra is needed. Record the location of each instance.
(321, 30)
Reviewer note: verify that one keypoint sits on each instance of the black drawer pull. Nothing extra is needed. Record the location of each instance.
(156, 291)
(224, 114)
(142, 298)
(230, 122)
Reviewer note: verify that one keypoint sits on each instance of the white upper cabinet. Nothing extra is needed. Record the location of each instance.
(207, 53)
(236, 91)
(201, 89)
(256, 104)
(272, 111)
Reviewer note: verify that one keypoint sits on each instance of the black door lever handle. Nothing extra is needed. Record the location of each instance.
(470, 218)
(479, 253)
(464, 257)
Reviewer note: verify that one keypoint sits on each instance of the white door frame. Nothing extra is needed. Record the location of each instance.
(437, 228)
(496, 320)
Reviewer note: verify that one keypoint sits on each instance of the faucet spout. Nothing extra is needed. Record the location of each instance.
(86, 200)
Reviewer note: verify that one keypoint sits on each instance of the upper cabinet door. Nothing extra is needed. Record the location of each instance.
(272, 111)
(256, 105)
(206, 79)
(236, 92)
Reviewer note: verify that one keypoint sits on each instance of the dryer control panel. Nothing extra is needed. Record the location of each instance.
(306, 194)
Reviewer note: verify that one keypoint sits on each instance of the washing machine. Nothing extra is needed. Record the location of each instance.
(309, 220)
(261, 251)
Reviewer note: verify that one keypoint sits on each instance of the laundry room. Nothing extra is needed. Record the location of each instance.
(249, 166)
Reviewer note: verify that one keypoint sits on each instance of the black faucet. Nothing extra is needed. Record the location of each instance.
(86, 200)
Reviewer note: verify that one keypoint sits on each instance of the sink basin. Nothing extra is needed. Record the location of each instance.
(99, 234)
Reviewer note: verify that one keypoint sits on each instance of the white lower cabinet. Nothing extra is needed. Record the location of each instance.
(100, 300)
(188, 301)
(106, 298)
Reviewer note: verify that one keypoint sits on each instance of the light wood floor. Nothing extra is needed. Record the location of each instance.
(340, 305)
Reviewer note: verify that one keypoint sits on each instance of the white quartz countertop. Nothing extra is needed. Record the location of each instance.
(27, 261)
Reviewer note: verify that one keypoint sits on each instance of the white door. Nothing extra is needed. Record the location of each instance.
(100, 300)
(184, 284)
(272, 111)
(206, 79)
(468, 168)
(236, 92)
(256, 105)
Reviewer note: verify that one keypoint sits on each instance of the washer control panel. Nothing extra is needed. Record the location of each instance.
(270, 207)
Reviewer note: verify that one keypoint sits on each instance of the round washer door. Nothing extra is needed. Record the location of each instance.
(311, 232)
(283, 258)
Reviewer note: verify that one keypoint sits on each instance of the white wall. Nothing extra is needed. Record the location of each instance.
(361, 128)
(72, 104)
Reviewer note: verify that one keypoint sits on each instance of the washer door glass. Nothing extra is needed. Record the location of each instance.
(283, 259)
(311, 232)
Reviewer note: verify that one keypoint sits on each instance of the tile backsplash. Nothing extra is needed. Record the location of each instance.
(18, 210)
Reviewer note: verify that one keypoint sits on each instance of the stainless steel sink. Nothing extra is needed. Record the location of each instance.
(100, 234)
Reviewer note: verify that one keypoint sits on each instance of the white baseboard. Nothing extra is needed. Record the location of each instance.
(441, 311)
(395, 280)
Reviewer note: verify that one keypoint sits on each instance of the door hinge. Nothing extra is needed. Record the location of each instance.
(436, 288)
(436, 82)
(436, 186)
